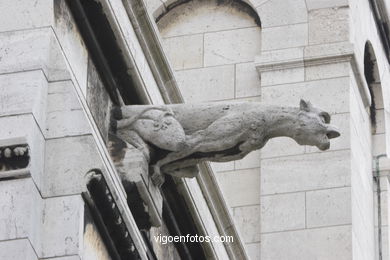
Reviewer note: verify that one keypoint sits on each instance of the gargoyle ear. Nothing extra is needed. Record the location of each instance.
(305, 105)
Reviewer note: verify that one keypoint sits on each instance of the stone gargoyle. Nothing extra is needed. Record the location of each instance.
(177, 137)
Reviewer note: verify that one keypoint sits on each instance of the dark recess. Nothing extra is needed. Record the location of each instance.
(104, 50)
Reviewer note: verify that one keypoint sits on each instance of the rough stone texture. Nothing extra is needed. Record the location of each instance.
(20, 249)
(247, 220)
(328, 25)
(281, 12)
(328, 207)
(283, 212)
(282, 37)
(185, 52)
(217, 82)
(63, 172)
(98, 101)
(305, 172)
(193, 133)
(65, 116)
(229, 47)
(322, 243)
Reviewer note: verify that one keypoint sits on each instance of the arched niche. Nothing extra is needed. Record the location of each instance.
(212, 46)
(377, 111)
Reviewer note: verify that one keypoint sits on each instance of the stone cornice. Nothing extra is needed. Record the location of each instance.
(314, 55)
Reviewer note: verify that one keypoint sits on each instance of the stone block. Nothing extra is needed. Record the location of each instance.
(272, 58)
(282, 212)
(19, 203)
(65, 116)
(328, 25)
(197, 17)
(253, 250)
(247, 80)
(241, 187)
(332, 95)
(326, 71)
(252, 160)
(63, 223)
(25, 14)
(328, 207)
(217, 82)
(380, 121)
(283, 37)
(309, 244)
(282, 12)
(247, 221)
(185, 52)
(36, 49)
(72, 43)
(67, 161)
(319, 4)
(282, 76)
(222, 167)
(305, 172)
(19, 249)
(24, 92)
(281, 146)
(235, 46)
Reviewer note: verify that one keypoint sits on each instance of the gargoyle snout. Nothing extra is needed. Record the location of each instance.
(332, 132)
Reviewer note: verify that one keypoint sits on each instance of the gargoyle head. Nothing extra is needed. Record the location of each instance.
(314, 128)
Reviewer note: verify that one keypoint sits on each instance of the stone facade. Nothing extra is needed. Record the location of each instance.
(287, 201)
(310, 205)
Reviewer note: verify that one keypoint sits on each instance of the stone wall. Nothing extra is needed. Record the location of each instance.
(212, 48)
(312, 204)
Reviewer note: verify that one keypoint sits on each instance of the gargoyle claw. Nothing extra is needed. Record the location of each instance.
(157, 177)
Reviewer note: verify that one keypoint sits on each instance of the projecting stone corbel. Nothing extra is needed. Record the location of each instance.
(14, 158)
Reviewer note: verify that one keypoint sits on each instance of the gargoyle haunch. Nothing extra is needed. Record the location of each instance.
(178, 136)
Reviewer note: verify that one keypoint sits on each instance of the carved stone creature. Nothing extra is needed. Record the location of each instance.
(179, 136)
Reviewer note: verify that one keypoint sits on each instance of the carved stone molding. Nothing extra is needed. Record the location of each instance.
(14, 158)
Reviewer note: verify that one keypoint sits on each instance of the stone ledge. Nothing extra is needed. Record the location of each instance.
(305, 56)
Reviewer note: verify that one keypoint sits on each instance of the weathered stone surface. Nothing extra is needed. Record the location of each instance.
(305, 172)
(19, 249)
(325, 71)
(234, 46)
(33, 50)
(98, 100)
(322, 243)
(282, 76)
(252, 160)
(67, 161)
(62, 226)
(71, 41)
(247, 219)
(282, 212)
(25, 14)
(330, 94)
(328, 25)
(234, 183)
(185, 52)
(247, 80)
(24, 92)
(282, 12)
(253, 250)
(217, 82)
(318, 4)
(194, 133)
(328, 207)
(282, 37)
(65, 116)
(200, 16)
